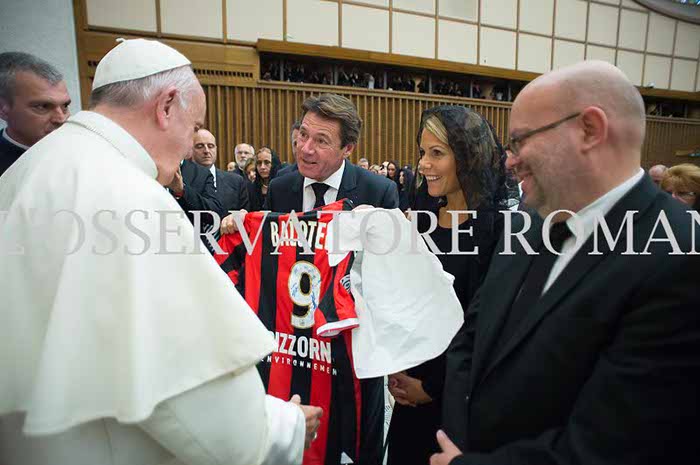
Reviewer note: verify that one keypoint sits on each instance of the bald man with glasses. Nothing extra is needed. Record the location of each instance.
(572, 354)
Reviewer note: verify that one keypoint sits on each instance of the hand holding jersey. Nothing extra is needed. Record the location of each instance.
(313, 419)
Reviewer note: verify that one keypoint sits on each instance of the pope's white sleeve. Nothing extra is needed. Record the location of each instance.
(229, 420)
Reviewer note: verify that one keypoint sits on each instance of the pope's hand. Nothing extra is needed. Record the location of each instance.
(449, 450)
(177, 185)
(313, 419)
(228, 226)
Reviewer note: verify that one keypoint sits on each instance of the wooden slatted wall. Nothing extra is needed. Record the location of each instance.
(262, 115)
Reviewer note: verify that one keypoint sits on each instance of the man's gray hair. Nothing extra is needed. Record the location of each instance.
(13, 62)
(138, 91)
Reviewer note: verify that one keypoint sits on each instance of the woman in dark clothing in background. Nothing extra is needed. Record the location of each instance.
(267, 164)
(405, 180)
(462, 165)
(392, 171)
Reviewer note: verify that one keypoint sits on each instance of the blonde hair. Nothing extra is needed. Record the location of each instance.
(436, 128)
(683, 177)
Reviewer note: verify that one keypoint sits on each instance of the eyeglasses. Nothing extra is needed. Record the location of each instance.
(685, 195)
(515, 143)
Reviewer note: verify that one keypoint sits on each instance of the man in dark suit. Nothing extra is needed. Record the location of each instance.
(328, 134)
(293, 133)
(193, 188)
(325, 140)
(591, 354)
(231, 190)
(34, 101)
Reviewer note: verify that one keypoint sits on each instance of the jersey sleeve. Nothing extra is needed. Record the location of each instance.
(232, 260)
(338, 307)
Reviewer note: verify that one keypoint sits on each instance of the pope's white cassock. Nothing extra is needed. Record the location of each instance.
(118, 345)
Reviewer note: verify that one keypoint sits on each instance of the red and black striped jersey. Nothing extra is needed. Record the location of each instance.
(304, 303)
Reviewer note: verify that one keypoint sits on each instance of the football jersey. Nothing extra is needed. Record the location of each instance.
(307, 306)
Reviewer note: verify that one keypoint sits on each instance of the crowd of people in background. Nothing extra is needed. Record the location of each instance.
(370, 77)
(681, 181)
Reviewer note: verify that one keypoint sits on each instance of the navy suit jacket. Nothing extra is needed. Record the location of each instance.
(232, 191)
(200, 193)
(9, 153)
(362, 187)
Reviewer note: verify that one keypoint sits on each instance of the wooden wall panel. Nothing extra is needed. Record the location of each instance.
(262, 115)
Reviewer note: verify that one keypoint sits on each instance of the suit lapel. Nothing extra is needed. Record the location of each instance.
(638, 199)
(348, 184)
(506, 277)
(296, 201)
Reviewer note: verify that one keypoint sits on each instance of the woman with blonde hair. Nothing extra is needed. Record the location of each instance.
(683, 183)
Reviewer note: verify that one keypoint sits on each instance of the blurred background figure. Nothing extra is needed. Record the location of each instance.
(363, 163)
(242, 152)
(267, 164)
(405, 179)
(683, 183)
(293, 134)
(231, 190)
(250, 169)
(657, 173)
(392, 171)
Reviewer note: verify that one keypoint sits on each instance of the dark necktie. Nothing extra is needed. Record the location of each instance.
(319, 191)
(537, 275)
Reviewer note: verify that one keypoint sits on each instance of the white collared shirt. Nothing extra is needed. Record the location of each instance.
(12, 141)
(212, 168)
(331, 194)
(587, 221)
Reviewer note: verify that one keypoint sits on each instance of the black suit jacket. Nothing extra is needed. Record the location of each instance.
(9, 153)
(604, 369)
(288, 169)
(286, 193)
(362, 187)
(200, 193)
(231, 191)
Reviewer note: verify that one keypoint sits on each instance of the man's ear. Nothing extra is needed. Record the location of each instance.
(166, 101)
(4, 109)
(347, 150)
(594, 123)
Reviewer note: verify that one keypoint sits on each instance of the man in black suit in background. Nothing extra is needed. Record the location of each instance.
(193, 188)
(34, 101)
(588, 355)
(293, 133)
(231, 190)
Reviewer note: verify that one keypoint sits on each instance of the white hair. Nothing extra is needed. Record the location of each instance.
(138, 91)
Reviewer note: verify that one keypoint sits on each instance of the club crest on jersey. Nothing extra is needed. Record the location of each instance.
(345, 282)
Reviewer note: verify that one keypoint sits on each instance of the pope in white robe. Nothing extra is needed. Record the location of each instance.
(122, 342)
